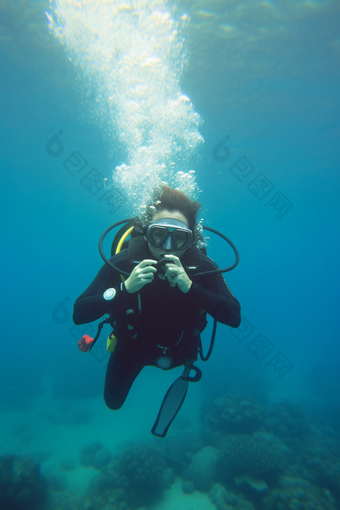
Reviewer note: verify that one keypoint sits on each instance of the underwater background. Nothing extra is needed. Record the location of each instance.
(99, 101)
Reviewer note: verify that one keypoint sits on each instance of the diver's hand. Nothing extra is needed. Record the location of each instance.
(176, 275)
(141, 275)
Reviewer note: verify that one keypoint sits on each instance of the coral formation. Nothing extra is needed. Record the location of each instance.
(298, 494)
(240, 414)
(234, 414)
(254, 483)
(180, 449)
(266, 457)
(260, 455)
(21, 484)
(135, 478)
(226, 500)
(321, 460)
(203, 468)
(222, 498)
(287, 421)
(63, 500)
(95, 455)
(145, 472)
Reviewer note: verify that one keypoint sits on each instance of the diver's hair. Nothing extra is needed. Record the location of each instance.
(164, 197)
(175, 200)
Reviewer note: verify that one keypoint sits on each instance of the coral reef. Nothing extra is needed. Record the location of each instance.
(261, 443)
(222, 498)
(248, 456)
(321, 460)
(95, 455)
(203, 468)
(106, 492)
(135, 478)
(63, 500)
(21, 485)
(240, 414)
(145, 472)
(260, 455)
(287, 421)
(56, 481)
(226, 500)
(254, 483)
(179, 451)
(298, 494)
(234, 414)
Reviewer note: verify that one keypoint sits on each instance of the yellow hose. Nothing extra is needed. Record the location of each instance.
(112, 340)
(120, 244)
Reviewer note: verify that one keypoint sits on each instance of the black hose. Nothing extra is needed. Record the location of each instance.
(100, 246)
(212, 341)
(213, 271)
(237, 256)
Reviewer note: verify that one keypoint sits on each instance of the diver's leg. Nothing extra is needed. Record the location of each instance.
(120, 374)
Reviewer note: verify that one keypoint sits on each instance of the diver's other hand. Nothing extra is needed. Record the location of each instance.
(141, 275)
(176, 275)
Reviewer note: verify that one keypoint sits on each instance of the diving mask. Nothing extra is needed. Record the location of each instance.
(169, 234)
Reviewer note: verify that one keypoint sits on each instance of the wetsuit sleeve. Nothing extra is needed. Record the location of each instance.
(215, 297)
(91, 305)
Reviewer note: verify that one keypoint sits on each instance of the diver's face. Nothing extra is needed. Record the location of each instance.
(159, 253)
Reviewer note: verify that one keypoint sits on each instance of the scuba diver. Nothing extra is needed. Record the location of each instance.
(157, 291)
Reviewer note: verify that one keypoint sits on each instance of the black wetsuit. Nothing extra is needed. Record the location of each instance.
(157, 320)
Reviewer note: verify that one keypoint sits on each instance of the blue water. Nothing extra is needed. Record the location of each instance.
(263, 74)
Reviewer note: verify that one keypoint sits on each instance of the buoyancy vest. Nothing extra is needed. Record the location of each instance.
(160, 314)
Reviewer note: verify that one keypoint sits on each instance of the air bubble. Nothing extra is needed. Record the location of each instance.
(131, 58)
